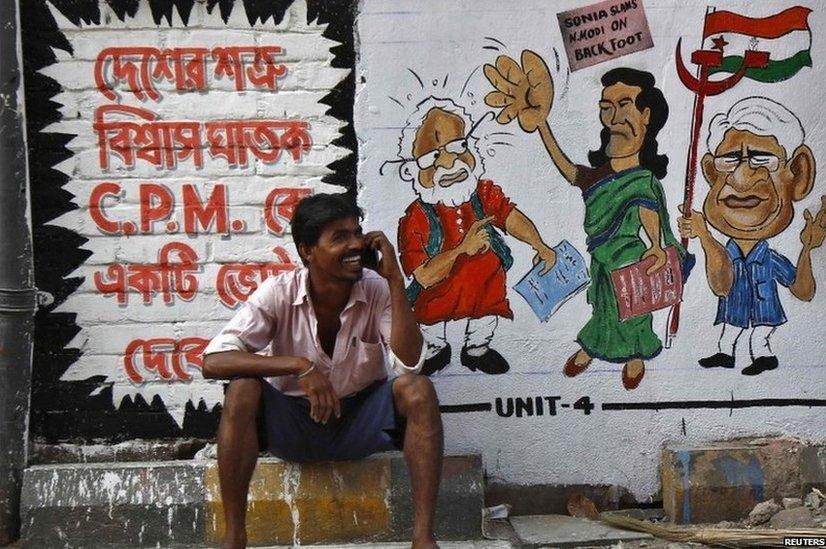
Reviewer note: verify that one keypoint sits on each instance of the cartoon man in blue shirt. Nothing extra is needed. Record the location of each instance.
(757, 167)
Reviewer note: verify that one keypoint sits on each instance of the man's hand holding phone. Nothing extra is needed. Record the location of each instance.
(380, 256)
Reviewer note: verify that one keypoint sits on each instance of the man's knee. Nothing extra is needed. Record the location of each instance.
(414, 393)
(241, 400)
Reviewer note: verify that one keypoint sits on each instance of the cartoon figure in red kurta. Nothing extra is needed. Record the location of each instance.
(449, 238)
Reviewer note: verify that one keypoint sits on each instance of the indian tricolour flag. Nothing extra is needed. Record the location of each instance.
(785, 35)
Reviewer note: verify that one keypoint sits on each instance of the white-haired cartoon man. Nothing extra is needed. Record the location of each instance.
(449, 239)
(757, 167)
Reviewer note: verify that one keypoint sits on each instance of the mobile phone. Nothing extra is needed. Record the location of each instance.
(370, 258)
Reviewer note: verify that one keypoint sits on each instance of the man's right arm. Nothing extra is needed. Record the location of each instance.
(232, 352)
(229, 364)
(238, 363)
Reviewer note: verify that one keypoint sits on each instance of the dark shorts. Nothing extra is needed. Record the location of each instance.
(368, 424)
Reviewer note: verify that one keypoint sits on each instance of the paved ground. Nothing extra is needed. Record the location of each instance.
(533, 532)
(487, 544)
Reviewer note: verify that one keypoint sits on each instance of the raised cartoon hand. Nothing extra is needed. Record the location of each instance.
(477, 239)
(661, 258)
(525, 93)
(814, 231)
(692, 227)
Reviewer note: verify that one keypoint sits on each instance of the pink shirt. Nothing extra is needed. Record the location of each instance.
(279, 320)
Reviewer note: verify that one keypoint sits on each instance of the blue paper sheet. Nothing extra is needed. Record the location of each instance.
(546, 294)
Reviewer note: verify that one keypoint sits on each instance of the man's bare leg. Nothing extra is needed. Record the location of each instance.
(415, 399)
(237, 454)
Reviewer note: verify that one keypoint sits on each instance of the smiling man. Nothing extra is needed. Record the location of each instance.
(757, 167)
(311, 348)
(621, 190)
(447, 240)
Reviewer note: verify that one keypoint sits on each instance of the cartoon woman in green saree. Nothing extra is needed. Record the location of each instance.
(622, 193)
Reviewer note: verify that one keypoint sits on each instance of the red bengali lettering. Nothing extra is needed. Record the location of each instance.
(130, 64)
(160, 143)
(133, 133)
(234, 140)
(166, 357)
(236, 282)
(168, 277)
(139, 67)
(185, 66)
(279, 207)
(264, 71)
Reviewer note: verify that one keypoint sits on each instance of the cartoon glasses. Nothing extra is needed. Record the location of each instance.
(428, 159)
(756, 159)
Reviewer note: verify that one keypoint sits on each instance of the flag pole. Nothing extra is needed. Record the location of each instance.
(691, 171)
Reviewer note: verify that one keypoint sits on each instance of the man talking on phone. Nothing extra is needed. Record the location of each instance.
(309, 349)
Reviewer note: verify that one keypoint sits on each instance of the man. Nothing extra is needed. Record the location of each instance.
(757, 167)
(621, 191)
(323, 384)
(447, 240)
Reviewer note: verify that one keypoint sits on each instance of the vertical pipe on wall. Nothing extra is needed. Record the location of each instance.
(17, 293)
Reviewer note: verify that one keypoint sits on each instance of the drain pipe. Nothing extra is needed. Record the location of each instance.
(17, 292)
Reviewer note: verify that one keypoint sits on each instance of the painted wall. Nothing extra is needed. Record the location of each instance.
(148, 250)
(526, 421)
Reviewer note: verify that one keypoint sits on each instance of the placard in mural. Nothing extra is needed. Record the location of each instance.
(547, 292)
(640, 290)
(603, 31)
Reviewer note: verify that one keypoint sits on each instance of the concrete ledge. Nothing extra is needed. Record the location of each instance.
(178, 503)
(724, 481)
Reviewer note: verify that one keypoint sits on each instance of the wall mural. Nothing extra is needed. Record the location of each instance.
(536, 167)
(593, 166)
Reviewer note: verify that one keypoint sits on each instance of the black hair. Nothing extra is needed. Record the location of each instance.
(650, 97)
(315, 212)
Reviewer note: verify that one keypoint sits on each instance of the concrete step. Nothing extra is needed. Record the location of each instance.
(178, 503)
(568, 532)
(724, 481)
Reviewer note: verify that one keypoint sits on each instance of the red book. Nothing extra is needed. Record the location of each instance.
(638, 293)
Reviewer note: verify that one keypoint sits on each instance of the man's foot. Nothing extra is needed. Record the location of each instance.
(577, 363)
(490, 363)
(718, 360)
(437, 362)
(424, 543)
(759, 365)
(632, 374)
(232, 541)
